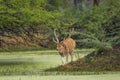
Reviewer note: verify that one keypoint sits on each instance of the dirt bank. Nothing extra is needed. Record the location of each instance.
(94, 62)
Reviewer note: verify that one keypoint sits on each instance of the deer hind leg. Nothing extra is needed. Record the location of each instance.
(71, 54)
(71, 57)
(67, 58)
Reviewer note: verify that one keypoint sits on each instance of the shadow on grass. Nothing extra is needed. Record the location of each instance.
(16, 61)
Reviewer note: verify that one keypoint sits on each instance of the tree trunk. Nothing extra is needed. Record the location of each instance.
(75, 2)
(96, 2)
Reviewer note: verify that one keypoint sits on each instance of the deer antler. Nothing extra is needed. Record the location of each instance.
(70, 31)
(55, 37)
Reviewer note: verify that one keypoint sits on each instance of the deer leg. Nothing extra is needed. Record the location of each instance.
(71, 57)
(62, 57)
(67, 58)
(71, 54)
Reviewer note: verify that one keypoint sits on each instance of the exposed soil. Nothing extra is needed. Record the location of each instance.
(24, 41)
(25, 37)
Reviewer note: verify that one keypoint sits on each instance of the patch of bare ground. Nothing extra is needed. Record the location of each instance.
(15, 41)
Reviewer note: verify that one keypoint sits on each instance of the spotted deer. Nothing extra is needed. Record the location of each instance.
(65, 47)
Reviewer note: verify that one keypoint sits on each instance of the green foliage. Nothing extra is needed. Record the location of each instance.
(112, 25)
(14, 13)
(62, 19)
(98, 23)
(53, 4)
(102, 22)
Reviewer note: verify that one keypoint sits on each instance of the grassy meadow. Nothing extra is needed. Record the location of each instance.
(31, 65)
(32, 62)
(61, 77)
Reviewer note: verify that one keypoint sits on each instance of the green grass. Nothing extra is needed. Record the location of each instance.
(32, 62)
(23, 49)
(61, 77)
(31, 65)
(27, 64)
(37, 62)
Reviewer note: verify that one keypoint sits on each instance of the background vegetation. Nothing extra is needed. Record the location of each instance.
(96, 22)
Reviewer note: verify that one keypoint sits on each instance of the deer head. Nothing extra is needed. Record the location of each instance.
(59, 44)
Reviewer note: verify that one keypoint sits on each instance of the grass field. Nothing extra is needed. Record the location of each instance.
(32, 62)
(31, 65)
(59, 77)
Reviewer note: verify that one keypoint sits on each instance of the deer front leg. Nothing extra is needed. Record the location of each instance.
(62, 57)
